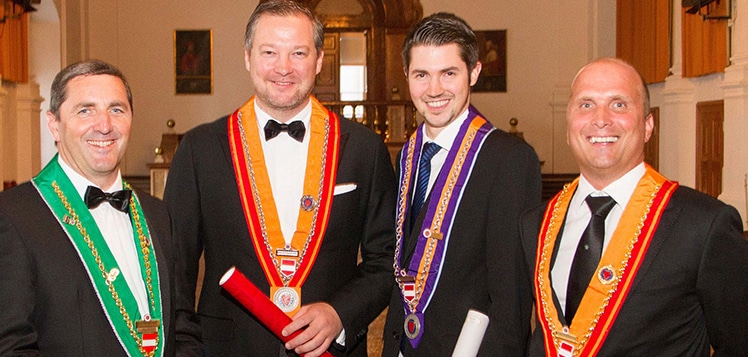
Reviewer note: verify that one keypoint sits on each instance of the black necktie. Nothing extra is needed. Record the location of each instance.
(422, 182)
(588, 253)
(120, 200)
(295, 129)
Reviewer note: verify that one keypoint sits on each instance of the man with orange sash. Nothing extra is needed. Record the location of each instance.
(463, 186)
(87, 264)
(668, 265)
(288, 193)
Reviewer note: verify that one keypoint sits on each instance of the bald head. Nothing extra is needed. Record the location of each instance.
(626, 67)
(608, 120)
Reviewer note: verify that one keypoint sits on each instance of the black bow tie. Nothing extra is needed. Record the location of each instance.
(295, 129)
(120, 200)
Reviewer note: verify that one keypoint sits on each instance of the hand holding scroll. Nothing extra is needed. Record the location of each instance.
(258, 304)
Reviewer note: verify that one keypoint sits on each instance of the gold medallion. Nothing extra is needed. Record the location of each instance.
(308, 203)
(287, 299)
(606, 275)
(412, 326)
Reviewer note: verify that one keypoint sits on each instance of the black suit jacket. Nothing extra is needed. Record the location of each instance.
(202, 194)
(483, 268)
(690, 291)
(49, 306)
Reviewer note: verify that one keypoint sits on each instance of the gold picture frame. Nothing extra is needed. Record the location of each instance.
(193, 61)
(492, 54)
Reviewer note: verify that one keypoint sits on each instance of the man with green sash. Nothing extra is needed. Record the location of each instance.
(624, 261)
(463, 186)
(86, 263)
(289, 194)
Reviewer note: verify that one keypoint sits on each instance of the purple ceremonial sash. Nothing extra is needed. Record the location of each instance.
(418, 283)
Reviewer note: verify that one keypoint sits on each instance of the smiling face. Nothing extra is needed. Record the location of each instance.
(607, 126)
(439, 82)
(93, 127)
(283, 64)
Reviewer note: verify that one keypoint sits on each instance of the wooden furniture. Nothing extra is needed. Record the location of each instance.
(159, 170)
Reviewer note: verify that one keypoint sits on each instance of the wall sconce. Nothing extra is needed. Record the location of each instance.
(9, 8)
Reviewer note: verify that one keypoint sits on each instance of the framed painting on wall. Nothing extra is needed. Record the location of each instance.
(193, 61)
(492, 54)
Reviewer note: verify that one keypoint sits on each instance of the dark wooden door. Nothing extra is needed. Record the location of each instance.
(327, 87)
(709, 147)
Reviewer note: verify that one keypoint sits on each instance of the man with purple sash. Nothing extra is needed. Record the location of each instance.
(463, 186)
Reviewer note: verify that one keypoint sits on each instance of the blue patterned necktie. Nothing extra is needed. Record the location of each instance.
(588, 253)
(422, 181)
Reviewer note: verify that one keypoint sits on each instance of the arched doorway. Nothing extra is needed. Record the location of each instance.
(383, 25)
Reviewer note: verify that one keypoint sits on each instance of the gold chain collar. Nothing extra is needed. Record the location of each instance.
(436, 223)
(261, 213)
(145, 247)
(546, 301)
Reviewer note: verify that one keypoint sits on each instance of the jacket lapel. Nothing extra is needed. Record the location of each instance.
(412, 241)
(664, 229)
(343, 141)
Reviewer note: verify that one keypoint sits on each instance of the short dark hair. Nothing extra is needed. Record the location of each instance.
(93, 67)
(283, 8)
(441, 29)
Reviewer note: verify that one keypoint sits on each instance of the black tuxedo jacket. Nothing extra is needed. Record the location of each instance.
(483, 268)
(202, 194)
(49, 306)
(690, 291)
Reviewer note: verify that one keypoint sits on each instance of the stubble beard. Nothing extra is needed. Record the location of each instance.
(284, 105)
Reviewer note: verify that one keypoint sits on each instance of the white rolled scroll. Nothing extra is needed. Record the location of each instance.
(471, 334)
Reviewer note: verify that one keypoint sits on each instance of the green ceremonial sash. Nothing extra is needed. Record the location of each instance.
(114, 294)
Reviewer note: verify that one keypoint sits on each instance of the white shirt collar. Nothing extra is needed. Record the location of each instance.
(447, 136)
(81, 183)
(304, 115)
(620, 190)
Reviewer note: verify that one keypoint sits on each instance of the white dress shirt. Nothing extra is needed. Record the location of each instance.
(117, 230)
(444, 139)
(577, 218)
(285, 159)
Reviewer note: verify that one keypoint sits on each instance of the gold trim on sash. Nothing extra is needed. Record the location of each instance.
(292, 262)
(444, 201)
(117, 301)
(312, 184)
(435, 234)
(618, 265)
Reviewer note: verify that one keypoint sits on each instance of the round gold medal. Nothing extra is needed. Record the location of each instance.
(412, 326)
(287, 299)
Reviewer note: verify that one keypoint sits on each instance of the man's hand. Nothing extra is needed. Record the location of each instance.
(322, 325)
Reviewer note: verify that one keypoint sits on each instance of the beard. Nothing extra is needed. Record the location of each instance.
(284, 102)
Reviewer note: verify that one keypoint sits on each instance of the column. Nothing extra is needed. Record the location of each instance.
(735, 89)
(4, 136)
(28, 142)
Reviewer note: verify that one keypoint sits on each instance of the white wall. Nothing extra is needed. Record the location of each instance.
(677, 99)
(44, 63)
(138, 37)
(548, 41)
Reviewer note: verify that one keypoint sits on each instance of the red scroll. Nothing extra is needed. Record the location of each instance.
(258, 304)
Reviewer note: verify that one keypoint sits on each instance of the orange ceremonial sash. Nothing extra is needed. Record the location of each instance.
(281, 269)
(616, 272)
